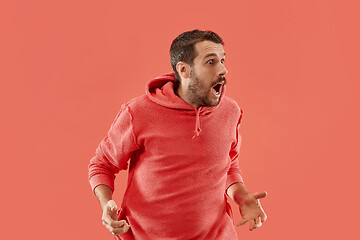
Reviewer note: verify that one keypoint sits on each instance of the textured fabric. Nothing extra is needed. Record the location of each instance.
(181, 160)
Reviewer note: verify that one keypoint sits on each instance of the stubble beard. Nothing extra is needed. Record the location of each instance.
(196, 93)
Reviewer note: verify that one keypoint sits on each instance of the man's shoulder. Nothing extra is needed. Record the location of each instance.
(231, 104)
(232, 109)
(139, 104)
(136, 101)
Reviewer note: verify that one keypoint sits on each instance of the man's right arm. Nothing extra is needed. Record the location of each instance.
(112, 155)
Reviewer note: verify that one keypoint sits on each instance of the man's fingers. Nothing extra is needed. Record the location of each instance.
(260, 195)
(110, 210)
(258, 222)
(120, 230)
(263, 216)
(262, 213)
(242, 222)
(110, 217)
(106, 219)
(112, 205)
(117, 224)
(252, 224)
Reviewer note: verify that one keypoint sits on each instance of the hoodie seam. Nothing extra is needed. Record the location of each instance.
(132, 127)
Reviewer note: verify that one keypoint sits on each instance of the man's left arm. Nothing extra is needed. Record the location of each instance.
(249, 204)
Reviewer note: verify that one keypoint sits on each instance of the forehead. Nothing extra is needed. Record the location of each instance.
(205, 48)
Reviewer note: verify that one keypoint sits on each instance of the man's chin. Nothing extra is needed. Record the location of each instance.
(212, 103)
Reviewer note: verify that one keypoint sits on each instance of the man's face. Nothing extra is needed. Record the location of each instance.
(207, 76)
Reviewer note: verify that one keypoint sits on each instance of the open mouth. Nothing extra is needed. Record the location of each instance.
(217, 89)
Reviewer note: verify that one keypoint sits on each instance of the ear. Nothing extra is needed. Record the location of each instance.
(183, 70)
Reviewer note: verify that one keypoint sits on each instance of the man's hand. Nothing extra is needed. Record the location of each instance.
(251, 210)
(110, 219)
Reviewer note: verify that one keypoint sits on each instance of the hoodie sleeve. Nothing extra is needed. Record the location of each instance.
(114, 151)
(234, 173)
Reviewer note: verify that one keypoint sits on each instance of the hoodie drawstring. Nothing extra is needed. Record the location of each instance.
(197, 124)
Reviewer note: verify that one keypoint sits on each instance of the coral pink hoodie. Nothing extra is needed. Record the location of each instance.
(181, 161)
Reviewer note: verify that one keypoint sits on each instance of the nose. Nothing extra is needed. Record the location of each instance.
(222, 70)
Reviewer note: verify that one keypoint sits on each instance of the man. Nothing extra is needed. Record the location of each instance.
(180, 142)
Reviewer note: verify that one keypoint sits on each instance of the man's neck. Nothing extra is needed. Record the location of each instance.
(179, 91)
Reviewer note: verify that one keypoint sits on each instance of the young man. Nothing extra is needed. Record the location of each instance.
(181, 143)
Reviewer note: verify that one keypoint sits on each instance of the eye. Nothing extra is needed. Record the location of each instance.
(222, 60)
(211, 61)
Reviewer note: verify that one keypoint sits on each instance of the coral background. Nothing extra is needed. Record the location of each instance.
(67, 66)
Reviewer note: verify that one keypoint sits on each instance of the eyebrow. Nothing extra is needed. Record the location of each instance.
(212, 55)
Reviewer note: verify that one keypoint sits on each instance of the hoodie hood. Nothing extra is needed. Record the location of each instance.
(160, 90)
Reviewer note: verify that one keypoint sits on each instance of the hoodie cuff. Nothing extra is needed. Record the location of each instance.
(101, 179)
(233, 178)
